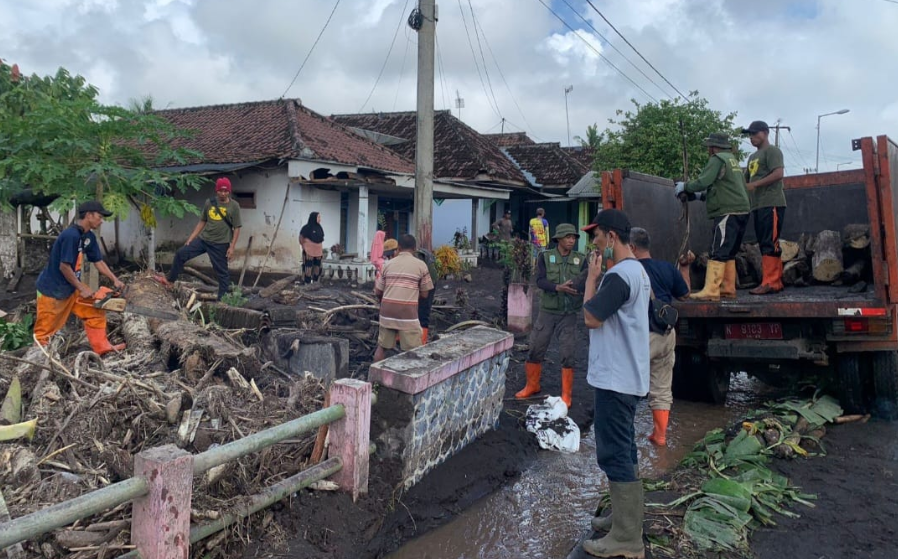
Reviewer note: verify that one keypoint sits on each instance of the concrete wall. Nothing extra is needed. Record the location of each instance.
(429, 409)
(7, 244)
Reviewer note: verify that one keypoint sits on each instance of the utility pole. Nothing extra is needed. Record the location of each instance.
(776, 136)
(424, 142)
(459, 103)
(567, 90)
(503, 125)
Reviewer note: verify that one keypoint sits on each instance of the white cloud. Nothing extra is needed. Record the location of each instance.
(765, 59)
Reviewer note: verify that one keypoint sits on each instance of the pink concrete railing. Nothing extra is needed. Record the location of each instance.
(162, 486)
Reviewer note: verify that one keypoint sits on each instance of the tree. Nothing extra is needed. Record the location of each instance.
(648, 140)
(593, 138)
(57, 139)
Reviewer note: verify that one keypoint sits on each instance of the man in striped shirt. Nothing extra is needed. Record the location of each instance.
(404, 281)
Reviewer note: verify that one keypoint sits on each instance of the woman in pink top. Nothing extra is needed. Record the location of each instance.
(377, 252)
(311, 239)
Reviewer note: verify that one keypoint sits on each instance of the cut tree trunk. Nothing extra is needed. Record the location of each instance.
(277, 287)
(826, 264)
(856, 235)
(790, 251)
(806, 243)
(852, 274)
(752, 254)
(795, 273)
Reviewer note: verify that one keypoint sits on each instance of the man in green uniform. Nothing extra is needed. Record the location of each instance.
(727, 205)
(560, 274)
(764, 180)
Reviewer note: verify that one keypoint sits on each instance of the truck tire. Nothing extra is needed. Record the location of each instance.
(697, 380)
(885, 383)
(850, 370)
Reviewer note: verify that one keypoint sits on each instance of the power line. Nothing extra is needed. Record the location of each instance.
(401, 69)
(443, 89)
(482, 58)
(619, 71)
(502, 75)
(387, 59)
(303, 65)
(644, 59)
(617, 50)
(474, 56)
(794, 143)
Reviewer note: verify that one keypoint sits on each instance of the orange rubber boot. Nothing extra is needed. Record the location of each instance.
(99, 342)
(567, 385)
(424, 332)
(660, 418)
(773, 276)
(533, 371)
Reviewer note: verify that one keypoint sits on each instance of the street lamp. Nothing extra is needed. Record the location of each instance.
(567, 90)
(841, 112)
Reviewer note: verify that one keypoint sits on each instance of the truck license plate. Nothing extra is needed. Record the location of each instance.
(755, 331)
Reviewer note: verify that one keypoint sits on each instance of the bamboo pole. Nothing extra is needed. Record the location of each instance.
(273, 237)
(257, 441)
(64, 513)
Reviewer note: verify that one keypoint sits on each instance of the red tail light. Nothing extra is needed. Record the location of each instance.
(856, 325)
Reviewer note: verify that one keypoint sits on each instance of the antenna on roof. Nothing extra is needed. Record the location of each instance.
(459, 103)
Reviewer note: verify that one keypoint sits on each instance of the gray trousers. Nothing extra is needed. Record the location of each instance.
(564, 326)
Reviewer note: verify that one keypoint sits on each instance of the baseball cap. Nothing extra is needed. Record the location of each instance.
(755, 127)
(93, 206)
(610, 219)
(223, 184)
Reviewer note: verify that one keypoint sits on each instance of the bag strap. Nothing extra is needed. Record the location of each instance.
(223, 216)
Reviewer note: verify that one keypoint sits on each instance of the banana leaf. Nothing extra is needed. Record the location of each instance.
(713, 524)
(17, 431)
(744, 448)
(11, 410)
(733, 493)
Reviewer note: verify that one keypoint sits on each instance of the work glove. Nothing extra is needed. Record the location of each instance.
(702, 196)
(680, 189)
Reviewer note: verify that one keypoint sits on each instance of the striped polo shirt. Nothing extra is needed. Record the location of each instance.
(402, 281)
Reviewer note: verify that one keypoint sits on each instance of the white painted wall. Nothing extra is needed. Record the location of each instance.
(7, 243)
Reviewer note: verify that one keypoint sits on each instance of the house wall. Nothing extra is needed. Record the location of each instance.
(7, 244)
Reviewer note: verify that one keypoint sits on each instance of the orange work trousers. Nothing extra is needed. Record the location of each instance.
(53, 313)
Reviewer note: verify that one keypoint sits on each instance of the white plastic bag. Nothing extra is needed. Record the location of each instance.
(554, 430)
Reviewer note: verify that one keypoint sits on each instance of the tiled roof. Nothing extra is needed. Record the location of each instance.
(509, 139)
(586, 156)
(282, 129)
(546, 165)
(460, 152)
(589, 186)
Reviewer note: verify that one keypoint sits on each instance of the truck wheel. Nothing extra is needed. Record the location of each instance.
(851, 375)
(885, 383)
(697, 380)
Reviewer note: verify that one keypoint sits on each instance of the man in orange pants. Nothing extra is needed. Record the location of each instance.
(60, 291)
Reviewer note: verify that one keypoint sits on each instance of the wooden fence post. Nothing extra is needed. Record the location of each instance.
(350, 436)
(160, 521)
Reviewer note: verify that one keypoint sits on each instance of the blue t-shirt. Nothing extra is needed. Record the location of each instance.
(67, 249)
(667, 282)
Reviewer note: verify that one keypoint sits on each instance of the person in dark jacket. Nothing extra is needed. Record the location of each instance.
(311, 239)
(726, 202)
(560, 274)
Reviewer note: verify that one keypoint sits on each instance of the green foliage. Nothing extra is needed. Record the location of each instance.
(234, 297)
(57, 138)
(14, 335)
(460, 239)
(648, 139)
(515, 256)
(593, 138)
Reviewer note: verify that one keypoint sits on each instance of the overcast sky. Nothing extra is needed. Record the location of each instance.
(765, 59)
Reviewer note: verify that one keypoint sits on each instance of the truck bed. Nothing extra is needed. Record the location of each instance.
(814, 301)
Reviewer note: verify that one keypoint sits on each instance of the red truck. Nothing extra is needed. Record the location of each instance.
(799, 330)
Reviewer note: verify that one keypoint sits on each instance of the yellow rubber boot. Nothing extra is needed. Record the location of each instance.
(533, 371)
(728, 287)
(713, 279)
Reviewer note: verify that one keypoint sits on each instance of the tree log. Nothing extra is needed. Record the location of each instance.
(277, 287)
(826, 264)
(852, 274)
(790, 251)
(199, 275)
(806, 243)
(856, 235)
(796, 272)
(753, 255)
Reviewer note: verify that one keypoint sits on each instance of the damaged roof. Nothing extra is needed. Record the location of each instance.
(546, 165)
(281, 129)
(460, 152)
(509, 139)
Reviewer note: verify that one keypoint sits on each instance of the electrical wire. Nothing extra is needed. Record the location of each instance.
(440, 68)
(603, 57)
(644, 59)
(794, 143)
(482, 58)
(401, 69)
(502, 75)
(474, 56)
(387, 59)
(303, 65)
(617, 50)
